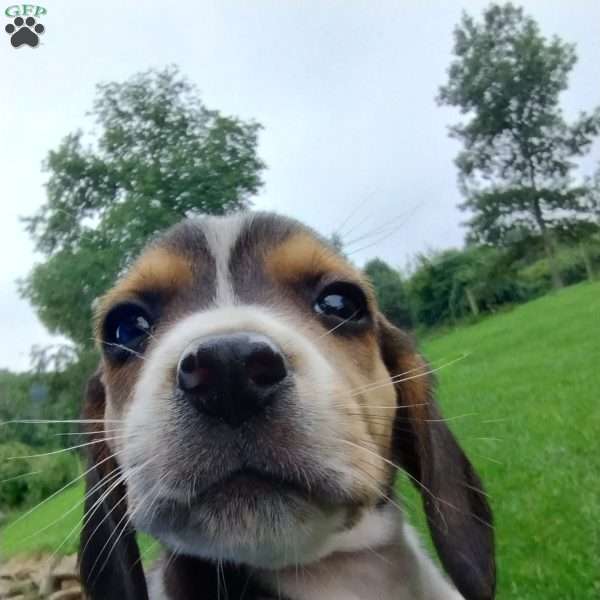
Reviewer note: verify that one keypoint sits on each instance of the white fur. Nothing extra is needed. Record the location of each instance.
(379, 559)
(221, 235)
(314, 377)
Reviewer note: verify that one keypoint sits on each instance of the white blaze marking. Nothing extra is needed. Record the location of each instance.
(221, 235)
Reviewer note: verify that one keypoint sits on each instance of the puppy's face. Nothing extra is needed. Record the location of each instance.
(257, 405)
(242, 356)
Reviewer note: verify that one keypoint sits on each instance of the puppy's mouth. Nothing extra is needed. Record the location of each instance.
(244, 486)
(250, 482)
(244, 493)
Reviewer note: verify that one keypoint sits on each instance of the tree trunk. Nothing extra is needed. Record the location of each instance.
(549, 248)
(589, 269)
(472, 302)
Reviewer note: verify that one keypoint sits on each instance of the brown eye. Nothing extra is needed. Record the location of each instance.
(343, 301)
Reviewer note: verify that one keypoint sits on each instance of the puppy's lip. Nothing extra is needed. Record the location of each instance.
(249, 481)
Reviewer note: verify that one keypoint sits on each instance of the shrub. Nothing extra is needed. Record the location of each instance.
(27, 480)
(536, 278)
(14, 486)
(453, 285)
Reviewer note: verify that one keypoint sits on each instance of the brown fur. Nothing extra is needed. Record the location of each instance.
(157, 270)
(301, 256)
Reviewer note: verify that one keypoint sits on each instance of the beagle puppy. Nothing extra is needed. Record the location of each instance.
(250, 412)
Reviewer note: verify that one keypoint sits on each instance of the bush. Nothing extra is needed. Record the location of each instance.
(20, 486)
(453, 285)
(536, 278)
(14, 486)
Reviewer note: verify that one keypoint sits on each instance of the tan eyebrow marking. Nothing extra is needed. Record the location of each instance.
(301, 256)
(157, 270)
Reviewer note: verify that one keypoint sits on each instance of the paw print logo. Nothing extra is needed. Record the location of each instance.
(24, 32)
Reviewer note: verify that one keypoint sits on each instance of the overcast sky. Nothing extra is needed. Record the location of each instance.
(345, 91)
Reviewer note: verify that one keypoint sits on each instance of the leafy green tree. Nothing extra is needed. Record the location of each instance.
(391, 293)
(159, 155)
(50, 394)
(454, 284)
(517, 158)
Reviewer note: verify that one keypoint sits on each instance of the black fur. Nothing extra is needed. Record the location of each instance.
(109, 563)
(187, 578)
(459, 516)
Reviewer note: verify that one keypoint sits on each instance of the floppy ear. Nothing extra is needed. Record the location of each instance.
(109, 558)
(459, 517)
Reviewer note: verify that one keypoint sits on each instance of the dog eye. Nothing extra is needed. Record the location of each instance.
(343, 301)
(126, 327)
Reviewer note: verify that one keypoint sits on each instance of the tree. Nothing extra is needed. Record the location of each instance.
(391, 293)
(454, 284)
(516, 163)
(159, 155)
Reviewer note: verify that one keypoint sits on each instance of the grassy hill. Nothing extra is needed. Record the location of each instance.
(532, 378)
(525, 404)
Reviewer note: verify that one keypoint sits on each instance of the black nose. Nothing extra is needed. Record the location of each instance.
(231, 377)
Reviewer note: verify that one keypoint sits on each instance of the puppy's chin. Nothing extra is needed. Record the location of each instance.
(247, 521)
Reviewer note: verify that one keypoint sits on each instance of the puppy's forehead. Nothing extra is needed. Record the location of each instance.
(227, 260)
(241, 254)
(222, 239)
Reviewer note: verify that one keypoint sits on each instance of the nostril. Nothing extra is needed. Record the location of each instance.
(188, 364)
(265, 367)
(193, 375)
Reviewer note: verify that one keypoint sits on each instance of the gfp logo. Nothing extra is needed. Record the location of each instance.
(24, 29)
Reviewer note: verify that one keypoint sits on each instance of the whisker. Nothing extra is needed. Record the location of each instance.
(22, 476)
(443, 419)
(379, 229)
(376, 487)
(57, 421)
(121, 347)
(109, 439)
(474, 488)
(357, 206)
(340, 324)
(106, 479)
(393, 381)
(123, 478)
(144, 554)
(492, 460)
(387, 406)
(398, 378)
(386, 231)
(417, 482)
(62, 489)
(96, 432)
(94, 509)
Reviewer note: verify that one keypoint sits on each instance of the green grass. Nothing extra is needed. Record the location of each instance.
(53, 528)
(532, 378)
(43, 530)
